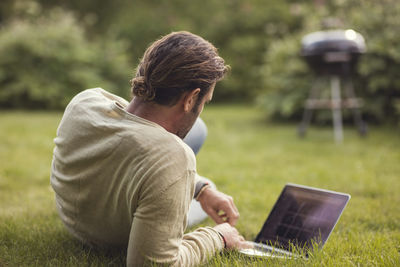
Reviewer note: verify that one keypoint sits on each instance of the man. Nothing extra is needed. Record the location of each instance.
(122, 174)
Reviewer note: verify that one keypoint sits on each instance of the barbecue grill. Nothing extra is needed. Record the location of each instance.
(333, 54)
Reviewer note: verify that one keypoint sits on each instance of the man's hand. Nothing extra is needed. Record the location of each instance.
(232, 237)
(218, 206)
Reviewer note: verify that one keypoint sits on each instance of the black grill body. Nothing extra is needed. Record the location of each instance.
(334, 52)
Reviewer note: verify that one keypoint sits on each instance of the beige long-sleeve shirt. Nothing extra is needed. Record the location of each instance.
(121, 180)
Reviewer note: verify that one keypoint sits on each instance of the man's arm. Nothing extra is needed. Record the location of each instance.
(158, 227)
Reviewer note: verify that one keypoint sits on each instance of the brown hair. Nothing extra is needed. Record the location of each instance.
(178, 62)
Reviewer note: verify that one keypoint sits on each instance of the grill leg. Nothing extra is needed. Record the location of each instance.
(308, 111)
(360, 124)
(336, 109)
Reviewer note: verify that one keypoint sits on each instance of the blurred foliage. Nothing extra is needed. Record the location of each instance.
(45, 61)
(240, 29)
(288, 80)
(98, 43)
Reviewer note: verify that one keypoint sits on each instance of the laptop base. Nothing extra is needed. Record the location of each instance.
(262, 250)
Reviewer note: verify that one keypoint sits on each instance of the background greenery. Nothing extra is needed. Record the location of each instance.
(247, 159)
(46, 61)
(52, 49)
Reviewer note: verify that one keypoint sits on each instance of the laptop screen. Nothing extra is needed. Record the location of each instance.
(301, 216)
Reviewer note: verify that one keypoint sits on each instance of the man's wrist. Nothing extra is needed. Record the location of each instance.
(223, 238)
(200, 188)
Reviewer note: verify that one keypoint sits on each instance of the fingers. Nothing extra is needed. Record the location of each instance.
(219, 206)
(214, 215)
(242, 244)
(233, 205)
(245, 244)
(232, 213)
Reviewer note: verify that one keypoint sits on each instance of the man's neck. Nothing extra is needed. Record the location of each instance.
(164, 116)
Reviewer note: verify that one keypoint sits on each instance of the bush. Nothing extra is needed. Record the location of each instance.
(239, 29)
(287, 80)
(46, 61)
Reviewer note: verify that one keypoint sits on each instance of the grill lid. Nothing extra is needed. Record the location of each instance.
(321, 42)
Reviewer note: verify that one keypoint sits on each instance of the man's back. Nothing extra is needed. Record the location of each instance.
(107, 162)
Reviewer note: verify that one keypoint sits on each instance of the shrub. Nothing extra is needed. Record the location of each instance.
(287, 79)
(239, 29)
(46, 61)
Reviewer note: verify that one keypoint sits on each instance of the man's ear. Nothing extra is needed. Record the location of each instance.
(190, 99)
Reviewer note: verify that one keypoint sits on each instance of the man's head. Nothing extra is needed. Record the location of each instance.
(177, 66)
(178, 62)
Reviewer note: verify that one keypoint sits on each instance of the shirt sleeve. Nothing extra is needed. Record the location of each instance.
(198, 184)
(198, 179)
(157, 231)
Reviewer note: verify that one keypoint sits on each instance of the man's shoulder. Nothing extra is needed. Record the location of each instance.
(181, 150)
(95, 95)
(158, 144)
(159, 158)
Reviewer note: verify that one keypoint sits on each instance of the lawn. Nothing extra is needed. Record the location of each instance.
(247, 158)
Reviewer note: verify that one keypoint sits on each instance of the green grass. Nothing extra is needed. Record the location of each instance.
(247, 158)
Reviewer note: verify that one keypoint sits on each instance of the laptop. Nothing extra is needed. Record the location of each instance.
(301, 219)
